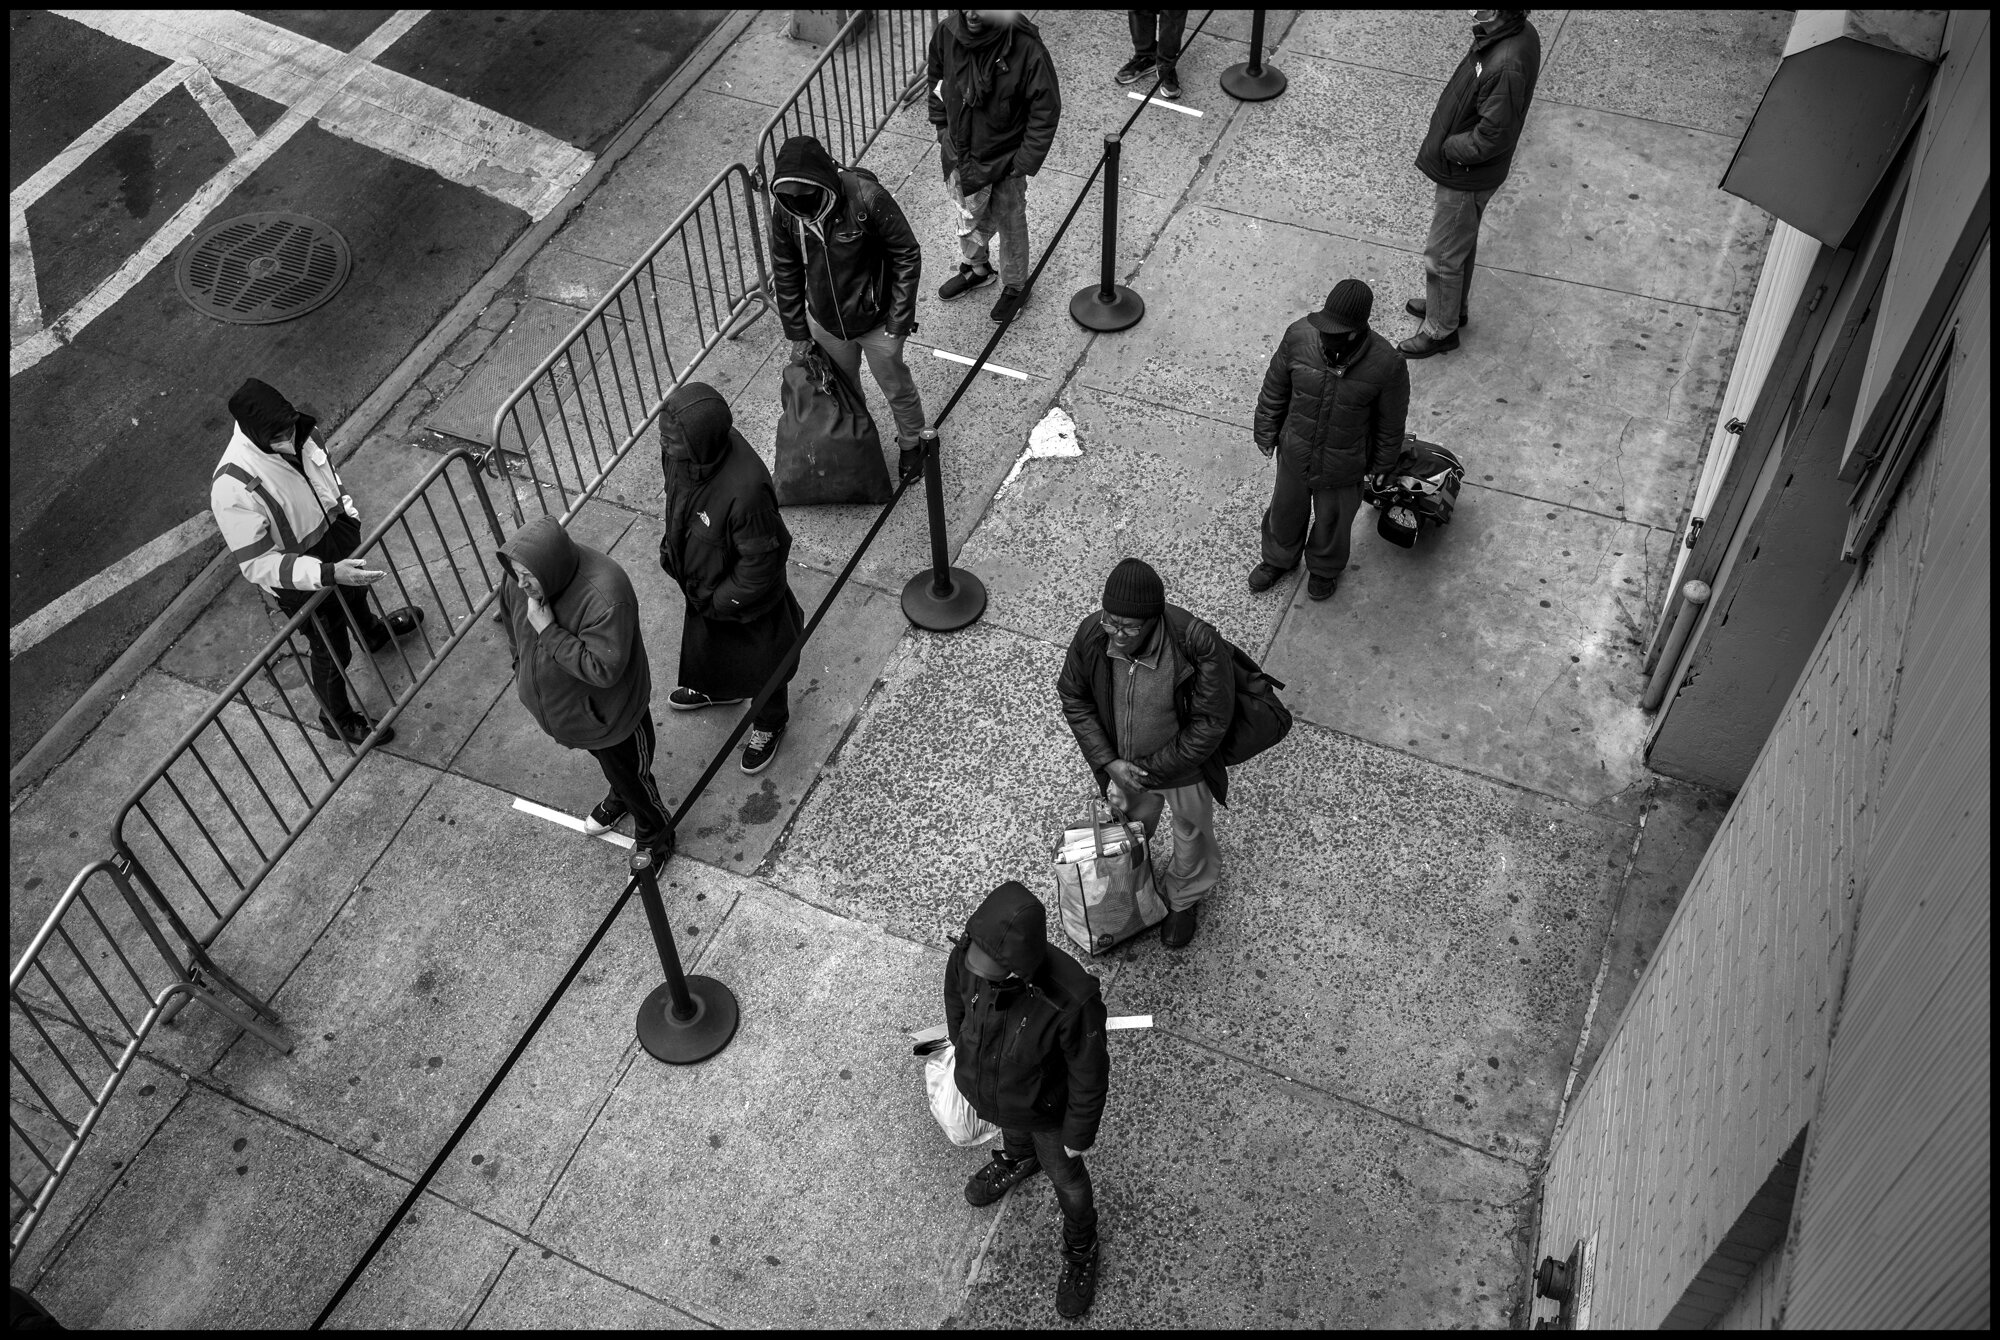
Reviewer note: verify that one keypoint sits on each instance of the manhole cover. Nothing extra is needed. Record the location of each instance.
(256, 269)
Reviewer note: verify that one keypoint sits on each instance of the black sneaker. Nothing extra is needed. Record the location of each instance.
(355, 729)
(606, 816)
(966, 280)
(1132, 71)
(1170, 84)
(759, 748)
(1077, 1288)
(1265, 576)
(1010, 303)
(1178, 928)
(687, 700)
(999, 1177)
(910, 463)
(1322, 588)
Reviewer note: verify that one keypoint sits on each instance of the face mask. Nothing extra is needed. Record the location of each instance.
(1338, 347)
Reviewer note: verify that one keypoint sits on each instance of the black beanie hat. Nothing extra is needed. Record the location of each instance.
(1134, 591)
(1347, 308)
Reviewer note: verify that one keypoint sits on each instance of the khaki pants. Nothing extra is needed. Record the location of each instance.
(1197, 864)
(1449, 253)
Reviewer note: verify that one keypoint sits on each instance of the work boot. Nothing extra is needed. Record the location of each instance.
(395, 624)
(355, 729)
(999, 1177)
(1321, 588)
(1010, 302)
(909, 463)
(1077, 1288)
(606, 816)
(1132, 71)
(1420, 307)
(1178, 928)
(967, 279)
(1265, 576)
(1421, 345)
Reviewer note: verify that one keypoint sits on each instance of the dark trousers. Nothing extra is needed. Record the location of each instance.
(777, 713)
(1168, 24)
(1324, 542)
(1067, 1175)
(628, 766)
(327, 630)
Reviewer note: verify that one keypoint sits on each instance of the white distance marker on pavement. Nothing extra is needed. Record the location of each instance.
(1111, 1025)
(1182, 108)
(990, 367)
(614, 837)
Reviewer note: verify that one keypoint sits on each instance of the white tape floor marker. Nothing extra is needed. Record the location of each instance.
(990, 367)
(1162, 102)
(1111, 1025)
(614, 837)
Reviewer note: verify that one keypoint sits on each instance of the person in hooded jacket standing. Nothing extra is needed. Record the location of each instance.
(995, 104)
(845, 267)
(1027, 1026)
(725, 546)
(580, 668)
(1467, 151)
(292, 529)
(1334, 408)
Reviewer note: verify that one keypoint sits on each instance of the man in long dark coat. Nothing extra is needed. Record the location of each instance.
(725, 546)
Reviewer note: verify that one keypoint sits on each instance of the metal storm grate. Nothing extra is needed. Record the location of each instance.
(257, 269)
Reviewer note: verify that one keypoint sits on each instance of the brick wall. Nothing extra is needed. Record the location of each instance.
(1714, 1067)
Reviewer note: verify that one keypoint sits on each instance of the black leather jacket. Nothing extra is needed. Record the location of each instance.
(1204, 703)
(863, 275)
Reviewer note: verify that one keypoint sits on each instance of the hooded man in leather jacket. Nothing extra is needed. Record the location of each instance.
(725, 546)
(1467, 151)
(1149, 691)
(1027, 1025)
(1334, 408)
(845, 267)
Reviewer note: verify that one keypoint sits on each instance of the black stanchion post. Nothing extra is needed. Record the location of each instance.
(1109, 305)
(1254, 81)
(686, 1019)
(944, 598)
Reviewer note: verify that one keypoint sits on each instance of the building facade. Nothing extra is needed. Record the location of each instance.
(1791, 1122)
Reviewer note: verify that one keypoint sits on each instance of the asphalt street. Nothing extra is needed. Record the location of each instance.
(430, 157)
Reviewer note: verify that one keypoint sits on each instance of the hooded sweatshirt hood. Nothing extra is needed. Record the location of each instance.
(262, 414)
(545, 549)
(695, 426)
(803, 160)
(1012, 926)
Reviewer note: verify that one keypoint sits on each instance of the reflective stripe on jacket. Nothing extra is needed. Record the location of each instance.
(271, 512)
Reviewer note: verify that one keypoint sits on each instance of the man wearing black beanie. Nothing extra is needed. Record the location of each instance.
(1149, 690)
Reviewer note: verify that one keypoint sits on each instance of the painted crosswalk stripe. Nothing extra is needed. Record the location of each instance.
(989, 367)
(83, 598)
(614, 837)
(1162, 102)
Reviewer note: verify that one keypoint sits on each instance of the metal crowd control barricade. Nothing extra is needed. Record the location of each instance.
(581, 411)
(82, 1000)
(873, 69)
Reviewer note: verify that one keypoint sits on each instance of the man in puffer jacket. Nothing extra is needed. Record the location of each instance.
(725, 546)
(995, 104)
(846, 266)
(1027, 1026)
(580, 669)
(1467, 152)
(1149, 691)
(1334, 408)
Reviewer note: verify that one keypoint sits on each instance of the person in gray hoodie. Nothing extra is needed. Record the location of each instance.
(580, 669)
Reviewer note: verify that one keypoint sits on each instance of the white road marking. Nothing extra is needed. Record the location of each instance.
(405, 118)
(1117, 1022)
(24, 310)
(615, 838)
(989, 367)
(201, 84)
(212, 193)
(88, 143)
(78, 601)
(1182, 108)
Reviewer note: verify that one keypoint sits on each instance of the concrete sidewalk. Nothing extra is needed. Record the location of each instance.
(1454, 861)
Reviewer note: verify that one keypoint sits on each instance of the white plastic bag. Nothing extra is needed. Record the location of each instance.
(962, 1126)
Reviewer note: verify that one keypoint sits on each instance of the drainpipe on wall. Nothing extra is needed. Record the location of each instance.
(1694, 595)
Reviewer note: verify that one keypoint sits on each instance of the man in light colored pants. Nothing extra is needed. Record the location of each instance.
(1197, 863)
(892, 373)
(1449, 253)
(996, 211)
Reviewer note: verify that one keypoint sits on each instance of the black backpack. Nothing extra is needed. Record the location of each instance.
(1260, 719)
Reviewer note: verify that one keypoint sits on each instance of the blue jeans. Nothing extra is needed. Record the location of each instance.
(1449, 252)
(999, 210)
(1067, 1175)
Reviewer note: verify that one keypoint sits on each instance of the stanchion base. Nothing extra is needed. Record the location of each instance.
(1240, 84)
(961, 605)
(1093, 313)
(683, 1043)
